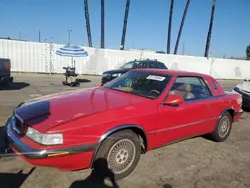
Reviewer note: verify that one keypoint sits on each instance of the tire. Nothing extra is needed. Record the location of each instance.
(223, 128)
(125, 142)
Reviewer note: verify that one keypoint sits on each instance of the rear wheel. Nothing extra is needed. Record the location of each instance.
(223, 128)
(119, 153)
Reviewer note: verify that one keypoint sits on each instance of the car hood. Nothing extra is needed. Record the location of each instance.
(49, 111)
(244, 86)
(116, 71)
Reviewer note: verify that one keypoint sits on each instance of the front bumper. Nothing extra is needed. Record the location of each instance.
(70, 158)
(246, 101)
(18, 145)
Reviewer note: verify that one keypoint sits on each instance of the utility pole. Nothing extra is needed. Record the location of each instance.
(209, 34)
(39, 36)
(183, 48)
(170, 26)
(125, 25)
(69, 31)
(181, 27)
(20, 35)
(102, 24)
(86, 8)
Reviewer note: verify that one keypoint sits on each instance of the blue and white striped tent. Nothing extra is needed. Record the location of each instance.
(72, 51)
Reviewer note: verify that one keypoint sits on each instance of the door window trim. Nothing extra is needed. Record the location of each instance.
(194, 100)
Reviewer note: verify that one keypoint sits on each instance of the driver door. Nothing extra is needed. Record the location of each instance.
(191, 118)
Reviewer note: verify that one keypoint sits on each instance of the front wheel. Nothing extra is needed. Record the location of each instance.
(223, 128)
(119, 154)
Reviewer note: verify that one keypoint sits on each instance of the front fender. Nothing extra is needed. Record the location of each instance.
(119, 128)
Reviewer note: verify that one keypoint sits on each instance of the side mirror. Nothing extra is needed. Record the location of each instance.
(174, 100)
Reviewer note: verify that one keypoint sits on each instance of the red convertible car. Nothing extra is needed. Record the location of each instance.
(117, 122)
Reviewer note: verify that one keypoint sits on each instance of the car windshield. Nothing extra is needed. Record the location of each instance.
(145, 84)
(130, 65)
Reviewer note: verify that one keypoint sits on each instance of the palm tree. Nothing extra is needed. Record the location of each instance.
(125, 25)
(86, 8)
(181, 27)
(169, 26)
(248, 52)
(102, 24)
(209, 34)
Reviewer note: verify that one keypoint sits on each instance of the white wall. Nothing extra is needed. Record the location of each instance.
(35, 57)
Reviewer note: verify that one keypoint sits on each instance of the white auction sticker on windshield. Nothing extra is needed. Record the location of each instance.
(158, 78)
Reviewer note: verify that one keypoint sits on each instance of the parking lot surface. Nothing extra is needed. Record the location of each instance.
(194, 163)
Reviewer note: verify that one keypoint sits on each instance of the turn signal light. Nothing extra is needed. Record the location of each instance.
(58, 154)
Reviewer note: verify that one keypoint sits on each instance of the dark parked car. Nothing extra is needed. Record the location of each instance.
(5, 74)
(243, 88)
(136, 64)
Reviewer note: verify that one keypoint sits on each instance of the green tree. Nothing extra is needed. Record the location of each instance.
(248, 52)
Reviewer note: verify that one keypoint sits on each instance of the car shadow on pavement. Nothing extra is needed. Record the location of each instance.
(14, 86)
(246, 109)
(167, 186)
(3, 141)
(96, 180)
(81, 80)
(14, 180)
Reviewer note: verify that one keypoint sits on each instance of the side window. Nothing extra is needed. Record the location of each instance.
(152, 65)
(142, 65)
(214, 85)
(190, 88)
(162, 66)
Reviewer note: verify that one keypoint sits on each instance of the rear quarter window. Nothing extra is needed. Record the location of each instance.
(162, 66)
(214, 85)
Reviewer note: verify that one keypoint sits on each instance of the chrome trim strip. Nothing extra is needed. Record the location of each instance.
(31, 153)
(104, 136)
(204, 99)
(181, 126)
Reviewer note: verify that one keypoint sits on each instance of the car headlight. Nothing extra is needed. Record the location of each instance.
(116, 74)
(45, 139)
